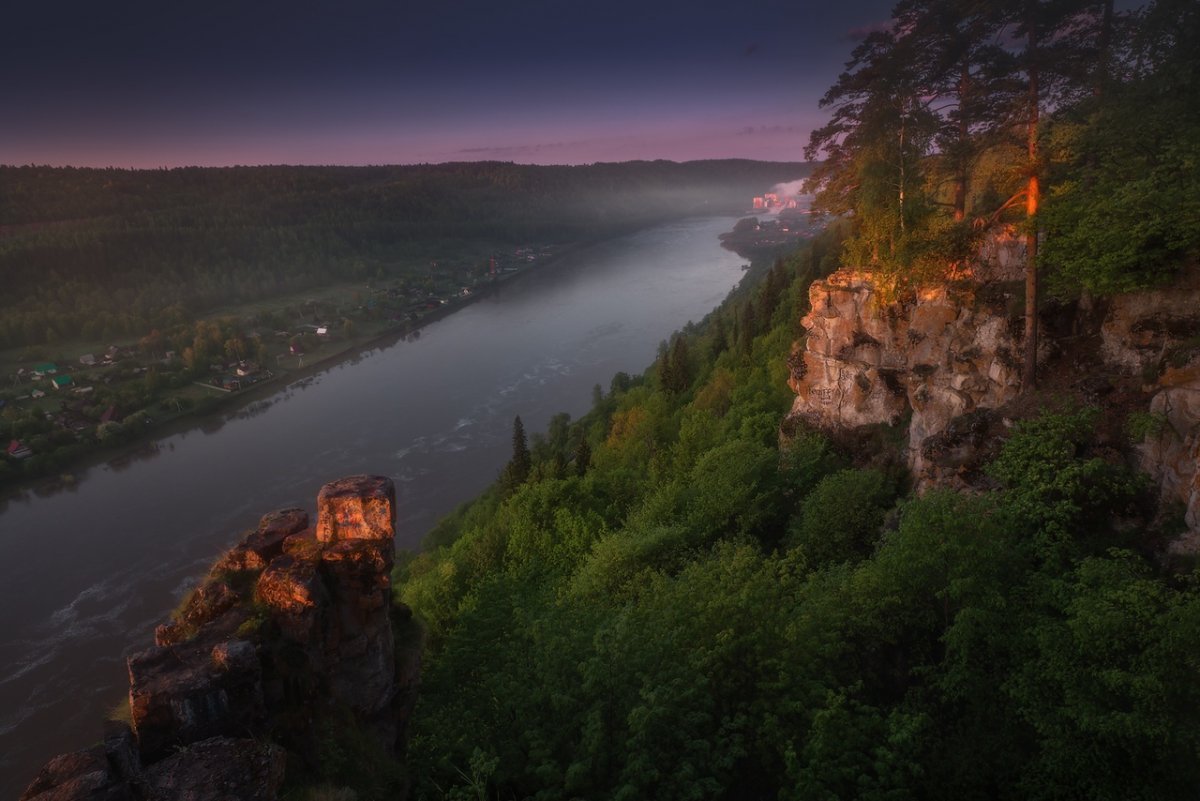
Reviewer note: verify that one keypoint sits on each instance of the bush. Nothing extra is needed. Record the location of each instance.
(841, 518)
(1055, 488)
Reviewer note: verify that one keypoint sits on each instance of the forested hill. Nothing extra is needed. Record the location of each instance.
(668, 599)
(676, 597)
(116, 250)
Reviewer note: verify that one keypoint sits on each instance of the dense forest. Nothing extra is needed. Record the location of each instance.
(109, 253)
(668, 599)
(674, 598)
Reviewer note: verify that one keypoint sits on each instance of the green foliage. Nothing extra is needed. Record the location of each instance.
(1123, 203)
(1141, 425)
(1054, 487)
(521, 462)
(352, 758)
(842, 516)
(1107, 691)
(716, 609)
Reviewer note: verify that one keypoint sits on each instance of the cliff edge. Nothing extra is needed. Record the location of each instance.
(294, 624)
(944, 363)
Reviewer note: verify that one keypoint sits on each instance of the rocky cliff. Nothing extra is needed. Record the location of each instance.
(943, 362)
(294, 622)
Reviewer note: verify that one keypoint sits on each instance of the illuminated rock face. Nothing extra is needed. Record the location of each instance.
(946, 358)
(357, 508)
(937, 355)
(291, 619)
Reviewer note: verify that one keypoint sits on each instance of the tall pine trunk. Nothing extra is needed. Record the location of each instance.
(1033, 195)
(964, 131)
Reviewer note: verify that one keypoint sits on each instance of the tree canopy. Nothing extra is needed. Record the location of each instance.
(1074, 122)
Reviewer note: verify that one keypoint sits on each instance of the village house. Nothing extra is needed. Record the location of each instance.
(45, 369)
(19, 450)
(61, 381)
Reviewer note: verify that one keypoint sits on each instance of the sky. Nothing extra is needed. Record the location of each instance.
(132, 83)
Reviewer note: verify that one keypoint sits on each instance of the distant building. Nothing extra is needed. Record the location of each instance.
(88, 359)
(45, 368)
(61, 381)
(19, 450)
(760, 203)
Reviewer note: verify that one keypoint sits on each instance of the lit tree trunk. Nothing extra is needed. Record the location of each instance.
(1033, 194)
(964, 130)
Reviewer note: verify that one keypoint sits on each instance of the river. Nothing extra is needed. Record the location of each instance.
(88, 572)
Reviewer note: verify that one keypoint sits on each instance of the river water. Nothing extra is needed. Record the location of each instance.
(87, 573)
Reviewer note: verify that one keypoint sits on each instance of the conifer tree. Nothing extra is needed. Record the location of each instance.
(678, 375)
(521, 463)
(720, 339)
(583, 456)
(747, 325)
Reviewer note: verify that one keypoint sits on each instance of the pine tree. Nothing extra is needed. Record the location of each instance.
(747, 326)
(720, 340)
(521, 463)
(678, 375)
(583, 456)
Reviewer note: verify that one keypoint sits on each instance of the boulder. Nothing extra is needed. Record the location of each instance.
(74, 777)
(267, 540)
(218, 769)
(106, 772)
(357, 507)
(183, 694)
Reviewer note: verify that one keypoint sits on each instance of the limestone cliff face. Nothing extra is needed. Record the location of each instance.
(1154, 337)
(931, 358)
(945, 363)
(292, 620)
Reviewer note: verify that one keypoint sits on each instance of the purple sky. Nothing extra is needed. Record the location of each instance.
(133, 83)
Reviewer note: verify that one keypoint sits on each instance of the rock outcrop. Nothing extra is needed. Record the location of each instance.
(945, 362)
(945, 352)
(292, 620)
(1154, 336)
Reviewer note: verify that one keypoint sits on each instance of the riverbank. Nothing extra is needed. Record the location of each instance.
(211, 412)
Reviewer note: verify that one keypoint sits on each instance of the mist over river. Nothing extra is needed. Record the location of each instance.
(88, 572)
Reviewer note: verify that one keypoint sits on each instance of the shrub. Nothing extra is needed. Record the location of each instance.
(841, 518)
